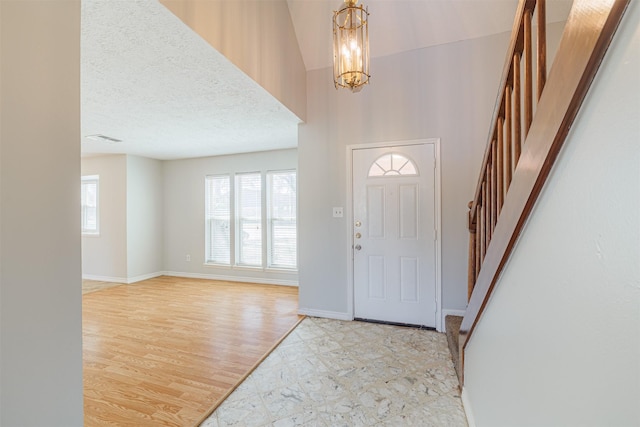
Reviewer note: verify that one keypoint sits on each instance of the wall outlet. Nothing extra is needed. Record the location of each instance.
(188, 257)
(338, 212)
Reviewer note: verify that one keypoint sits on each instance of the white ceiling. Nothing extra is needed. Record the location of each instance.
(150, 81)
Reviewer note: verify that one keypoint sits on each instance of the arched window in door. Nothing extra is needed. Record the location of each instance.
(393, 164)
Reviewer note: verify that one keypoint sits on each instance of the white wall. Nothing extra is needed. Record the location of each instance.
(559, 342)
(145, 224)
(255, 35)
(104, 257)
(184, 198)
(40, 285)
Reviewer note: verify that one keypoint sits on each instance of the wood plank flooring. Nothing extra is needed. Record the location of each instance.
(164, 351)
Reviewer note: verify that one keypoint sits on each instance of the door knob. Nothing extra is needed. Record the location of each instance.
(358, 247)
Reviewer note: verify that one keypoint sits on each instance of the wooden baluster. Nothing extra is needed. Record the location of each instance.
(500, 166)
(517, 108)
(528, 79)
(507, 143)
(542, 46)
(471, 274)
(478, 242)
(483, 220)
(487, 179)
(483, 234)
(494, 185)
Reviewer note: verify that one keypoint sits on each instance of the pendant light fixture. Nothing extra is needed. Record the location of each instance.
(351, 46)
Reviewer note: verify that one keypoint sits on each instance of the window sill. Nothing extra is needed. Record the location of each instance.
(281, 270)
(251, 268)
(90, 234)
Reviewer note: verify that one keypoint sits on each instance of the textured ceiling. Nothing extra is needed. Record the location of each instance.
(150, 81)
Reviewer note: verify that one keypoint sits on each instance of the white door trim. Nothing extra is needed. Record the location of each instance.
(438, 221)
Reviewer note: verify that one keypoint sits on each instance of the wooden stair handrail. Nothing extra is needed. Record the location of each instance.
(587, 35)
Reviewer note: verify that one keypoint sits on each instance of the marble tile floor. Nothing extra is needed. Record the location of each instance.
(335, 373)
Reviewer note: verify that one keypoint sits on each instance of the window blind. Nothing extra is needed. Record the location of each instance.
(249, 219)
(282, 219)
(218, 219)
(89, 204)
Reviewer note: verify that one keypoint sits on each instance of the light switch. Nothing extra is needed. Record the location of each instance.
(338, 212)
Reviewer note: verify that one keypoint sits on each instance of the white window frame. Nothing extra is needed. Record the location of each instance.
(235, 223)
(208, 217)
(89, 179)
(271, 219)
(239, 220)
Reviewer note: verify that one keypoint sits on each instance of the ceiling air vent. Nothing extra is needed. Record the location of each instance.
(103, 138)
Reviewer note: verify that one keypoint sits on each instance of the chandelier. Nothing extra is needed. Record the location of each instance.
(351, 46)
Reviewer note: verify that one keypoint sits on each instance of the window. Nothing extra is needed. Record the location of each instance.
(281, 219)
(250, 220)
(89, 204)
(218, 219)
(392, 164)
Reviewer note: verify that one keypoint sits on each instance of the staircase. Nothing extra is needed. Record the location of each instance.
(532, 117)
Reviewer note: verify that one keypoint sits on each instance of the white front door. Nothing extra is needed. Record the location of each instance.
(394, 236)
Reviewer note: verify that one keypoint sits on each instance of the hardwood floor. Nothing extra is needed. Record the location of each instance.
(165, 351)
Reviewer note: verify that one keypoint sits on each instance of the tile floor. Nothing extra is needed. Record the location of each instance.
(335, 373)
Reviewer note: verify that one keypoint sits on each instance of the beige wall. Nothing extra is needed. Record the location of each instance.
(445, 92)
(129, 246)
(184, 213)
(145, 217)
(258, 37)
(40, 278)
(104, 256)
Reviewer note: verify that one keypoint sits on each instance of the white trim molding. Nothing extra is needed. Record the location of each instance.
(125, 280)
(466, 405)
(143, 277)
(325, 314)
(439, 318)
(109, 279)
(243, 279)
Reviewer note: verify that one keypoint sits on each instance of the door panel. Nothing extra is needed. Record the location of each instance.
(394, 234)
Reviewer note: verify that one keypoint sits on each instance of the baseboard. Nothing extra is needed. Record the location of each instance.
(466, 405)
(125, 280)
(104, 278)
(258, 280)
(323, 313)
(143, 277)
(450, 312)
